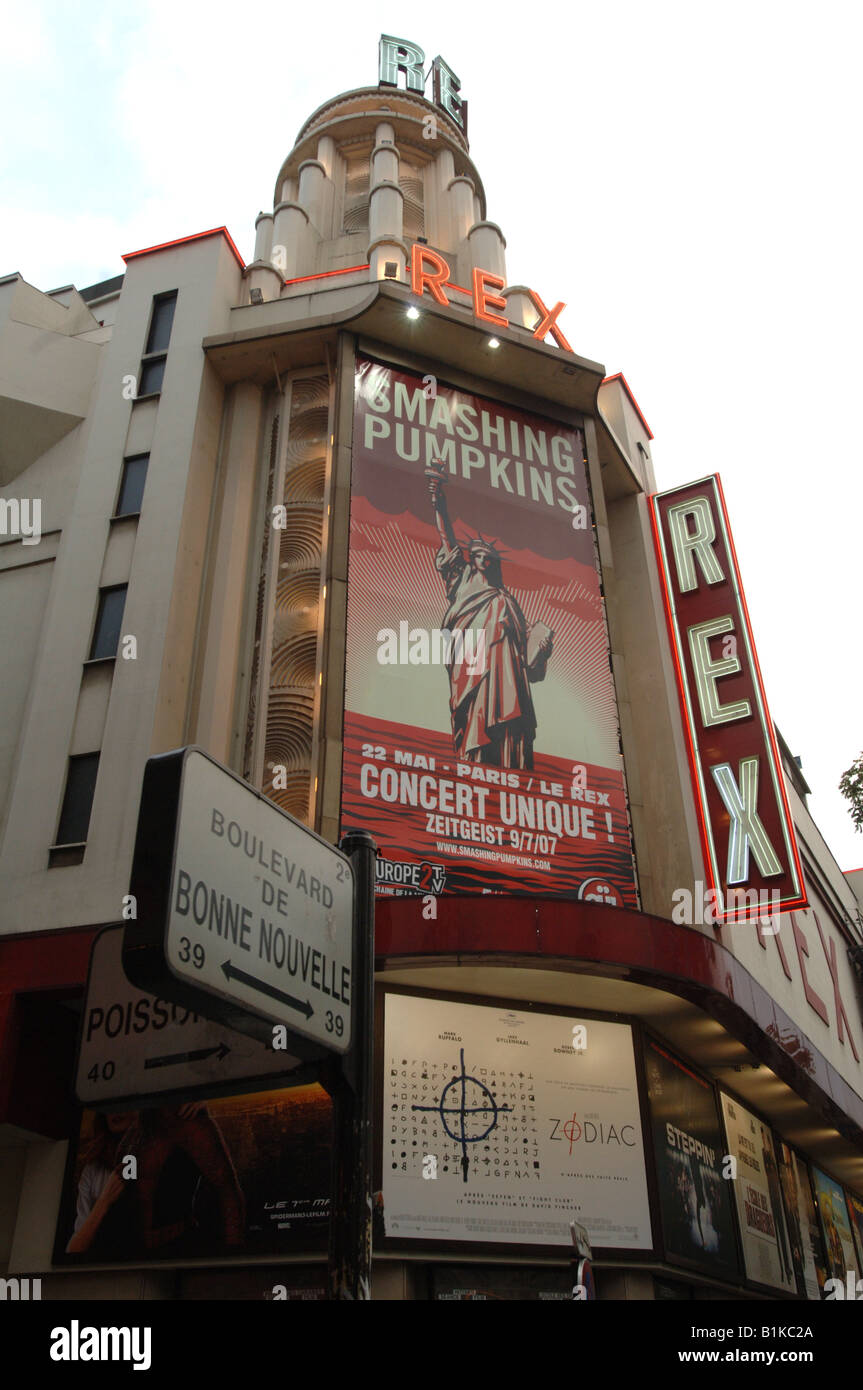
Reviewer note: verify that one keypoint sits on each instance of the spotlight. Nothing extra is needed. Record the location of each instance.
(494, 342)
(413, 312)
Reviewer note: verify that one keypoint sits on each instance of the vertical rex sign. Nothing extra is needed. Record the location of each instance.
(747, 834)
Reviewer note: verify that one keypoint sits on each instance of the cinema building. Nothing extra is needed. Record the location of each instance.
(360, 520)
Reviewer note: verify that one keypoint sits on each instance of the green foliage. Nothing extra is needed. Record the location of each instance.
(851, 786)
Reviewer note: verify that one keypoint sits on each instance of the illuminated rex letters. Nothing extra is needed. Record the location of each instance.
(430, 272)
(746, 829)
(401, 56)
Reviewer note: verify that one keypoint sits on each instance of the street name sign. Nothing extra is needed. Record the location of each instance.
(134, 1046)
(242, 912)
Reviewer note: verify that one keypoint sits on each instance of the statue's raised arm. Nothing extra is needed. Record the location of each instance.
(436, 475)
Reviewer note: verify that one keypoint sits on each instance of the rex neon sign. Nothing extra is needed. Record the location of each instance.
(746, 828)
(430, 273)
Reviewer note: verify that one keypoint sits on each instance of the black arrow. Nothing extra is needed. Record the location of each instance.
(232, 973)
(202, 1053)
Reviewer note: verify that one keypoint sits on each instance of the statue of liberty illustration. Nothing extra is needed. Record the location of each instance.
(493, 718)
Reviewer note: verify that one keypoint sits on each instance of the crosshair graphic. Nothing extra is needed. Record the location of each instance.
(488, 1106)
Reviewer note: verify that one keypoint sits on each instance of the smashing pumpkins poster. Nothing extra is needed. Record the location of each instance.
(481, 743)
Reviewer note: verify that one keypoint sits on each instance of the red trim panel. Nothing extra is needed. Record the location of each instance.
(618, 376)
(325, 274)
(181, 241)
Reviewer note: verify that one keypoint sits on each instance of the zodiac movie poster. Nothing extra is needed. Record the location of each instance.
(695, 1201)
(501, 1126)
(481, 744)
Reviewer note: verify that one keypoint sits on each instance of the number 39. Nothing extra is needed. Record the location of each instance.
(188, 951)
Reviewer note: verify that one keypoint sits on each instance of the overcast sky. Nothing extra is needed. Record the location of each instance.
(686, 177)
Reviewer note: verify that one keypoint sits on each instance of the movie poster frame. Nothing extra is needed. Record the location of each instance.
(807, 1163)
(844, 1189)
(64, 1263)
(785, 1295)
(856, 1234)
(455, 1252)
(744, 1282)
(683, 1262)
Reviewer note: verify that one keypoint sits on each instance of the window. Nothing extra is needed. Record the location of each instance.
(152, 372)
(78, 799)
(132, 485)
(160, 322)
(109, 619)
(153, 361)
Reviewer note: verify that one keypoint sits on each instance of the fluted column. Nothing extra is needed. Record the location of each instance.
(263, 276)
(327, 154)
(263, 236)
(461, 195)
(386, 207)
(311, 191)
(488, 248)
(520, 308)
(290, 239)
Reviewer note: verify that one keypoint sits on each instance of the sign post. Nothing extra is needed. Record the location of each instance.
(248, 916)
(350, 1257)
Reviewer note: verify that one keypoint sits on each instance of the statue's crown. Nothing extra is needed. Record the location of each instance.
(478, 543)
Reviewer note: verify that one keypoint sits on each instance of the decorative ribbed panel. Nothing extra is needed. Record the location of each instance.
(413, 213)
(356, 211)
(294, 596)
(249, 749)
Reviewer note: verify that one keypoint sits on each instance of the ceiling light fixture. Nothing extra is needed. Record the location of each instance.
(494, 342)
(413, 312)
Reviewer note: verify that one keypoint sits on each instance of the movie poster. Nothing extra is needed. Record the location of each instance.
(836, 1225)
(758, 1193)
(243, 1175)
(855, 1211)
(807, 1249)
(481, 743)
(502, 1126)
(694, 1198)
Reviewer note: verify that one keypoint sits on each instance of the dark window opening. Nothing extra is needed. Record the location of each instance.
(152, 373)
(132, 485)
(109, 620)
(161, 323)
(78, 799)
(158, 338)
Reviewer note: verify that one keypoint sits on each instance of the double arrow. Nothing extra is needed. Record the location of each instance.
(232, 973)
